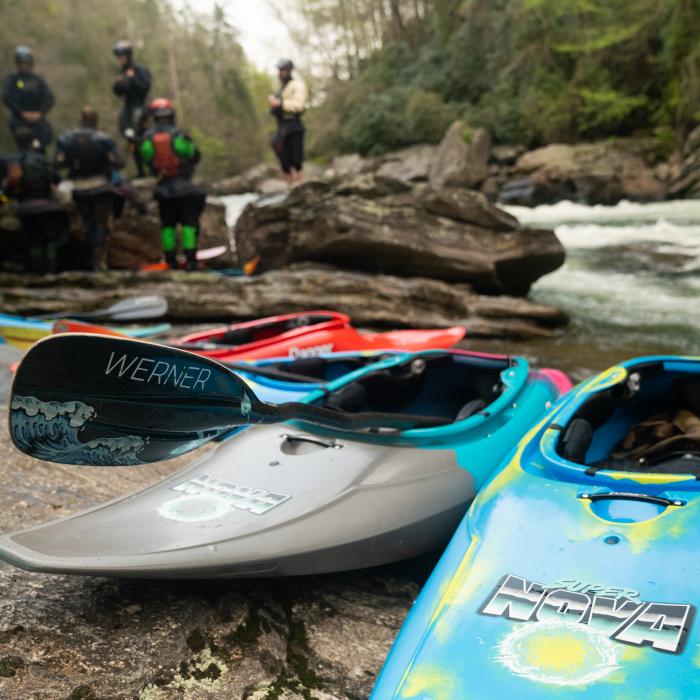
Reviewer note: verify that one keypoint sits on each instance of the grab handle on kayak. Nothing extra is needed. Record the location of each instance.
(627, 496)
(312, 440)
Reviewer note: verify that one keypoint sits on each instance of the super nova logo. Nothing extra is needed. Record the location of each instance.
(162, 372)
(663, 626)
(239, 496)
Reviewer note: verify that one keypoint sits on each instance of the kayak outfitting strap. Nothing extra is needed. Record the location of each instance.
(661, 434)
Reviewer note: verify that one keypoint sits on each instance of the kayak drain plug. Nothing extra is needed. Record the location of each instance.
(612, 539)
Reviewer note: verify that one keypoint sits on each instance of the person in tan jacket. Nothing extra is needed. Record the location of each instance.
(287, 106)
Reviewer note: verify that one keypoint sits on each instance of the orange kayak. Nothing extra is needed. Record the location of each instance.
(308, 334)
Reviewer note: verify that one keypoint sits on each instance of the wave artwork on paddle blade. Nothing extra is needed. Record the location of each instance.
(49, 430)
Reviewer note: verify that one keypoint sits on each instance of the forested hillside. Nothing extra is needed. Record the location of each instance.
(532, 71)
(194, 59)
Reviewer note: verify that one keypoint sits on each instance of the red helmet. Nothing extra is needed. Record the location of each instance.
(162, 107)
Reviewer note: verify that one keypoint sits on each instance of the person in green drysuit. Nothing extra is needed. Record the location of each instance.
(172, 156)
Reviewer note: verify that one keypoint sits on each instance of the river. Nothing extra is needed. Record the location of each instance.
(630, 284)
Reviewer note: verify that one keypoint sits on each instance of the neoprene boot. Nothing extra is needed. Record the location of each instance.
(191, 263)
(171, 259)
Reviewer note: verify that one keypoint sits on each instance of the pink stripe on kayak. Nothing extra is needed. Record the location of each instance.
(560, 380)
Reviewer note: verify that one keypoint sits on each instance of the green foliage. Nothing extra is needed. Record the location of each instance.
(428, 116)
(607, 109)
(377, 123)
(531, 71)
(194, 58)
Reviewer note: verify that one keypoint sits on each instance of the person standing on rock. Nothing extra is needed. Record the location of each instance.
(133, 84)
(93, 161)
(172, 156)
(28, 179)
(287, 106)
(29, 99)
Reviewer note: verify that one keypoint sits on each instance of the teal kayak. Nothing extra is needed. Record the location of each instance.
(294, 498)
(575, 572)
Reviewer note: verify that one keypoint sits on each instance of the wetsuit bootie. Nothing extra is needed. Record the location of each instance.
(191, 263)
(171, 259)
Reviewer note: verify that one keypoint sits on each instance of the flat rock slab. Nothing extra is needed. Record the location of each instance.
(371, 300)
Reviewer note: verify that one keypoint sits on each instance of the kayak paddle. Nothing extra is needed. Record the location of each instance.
(104, 401)
(133, 309)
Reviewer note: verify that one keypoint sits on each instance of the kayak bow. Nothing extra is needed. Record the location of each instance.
(575, 571)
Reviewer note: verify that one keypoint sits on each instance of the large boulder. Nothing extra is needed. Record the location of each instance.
(594, 173)
(462, 158)
(369, 299)
(384, 226)
(348, 165)
(409, 164)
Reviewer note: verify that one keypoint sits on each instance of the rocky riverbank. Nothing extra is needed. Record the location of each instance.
(371, 300)
(603, 172)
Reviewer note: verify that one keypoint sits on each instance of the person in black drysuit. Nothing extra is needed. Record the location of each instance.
(287, 106)
(29, 99)
(28, 179)
(172, 157)
(93, 161)
(133, 84)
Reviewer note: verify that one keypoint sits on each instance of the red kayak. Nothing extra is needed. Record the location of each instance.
(307, 334)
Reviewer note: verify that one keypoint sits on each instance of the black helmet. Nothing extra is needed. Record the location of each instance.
(23, 54)
(123, 48)
(285, 64)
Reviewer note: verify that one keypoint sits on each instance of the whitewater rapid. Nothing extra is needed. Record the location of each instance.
(632, 274)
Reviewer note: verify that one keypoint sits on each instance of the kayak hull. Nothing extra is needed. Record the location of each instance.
(23, 334)
(310, 334)
(291, 500)
(272, 520)
(544, 591)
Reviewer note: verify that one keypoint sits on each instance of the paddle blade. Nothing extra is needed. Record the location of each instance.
(91, 399)
(135, 309)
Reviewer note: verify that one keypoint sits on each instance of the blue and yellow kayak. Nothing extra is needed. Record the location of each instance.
(575, 573)
(23, 332)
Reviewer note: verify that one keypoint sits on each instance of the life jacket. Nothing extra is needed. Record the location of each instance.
(85, 155)
(166, 162)
(13, 177)
(28, 177)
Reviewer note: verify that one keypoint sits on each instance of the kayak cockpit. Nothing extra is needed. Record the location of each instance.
(649, 422)
(244, 334)
(448, 387)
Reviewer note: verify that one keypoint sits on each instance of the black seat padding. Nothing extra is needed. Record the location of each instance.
(349, 399)
(576, 440)
(237, 336)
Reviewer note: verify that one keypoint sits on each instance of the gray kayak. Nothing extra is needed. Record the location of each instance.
(281, 500)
